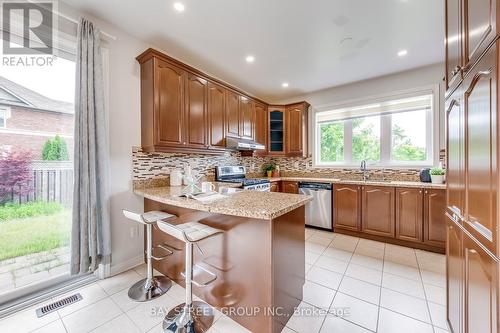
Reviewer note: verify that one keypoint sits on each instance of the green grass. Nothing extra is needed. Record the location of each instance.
(24, 236)
(12, 211)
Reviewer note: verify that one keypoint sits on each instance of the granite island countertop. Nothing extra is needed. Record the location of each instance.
(243, 203)
(392, 183)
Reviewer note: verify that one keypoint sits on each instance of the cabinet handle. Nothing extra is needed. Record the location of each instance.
(472, 251)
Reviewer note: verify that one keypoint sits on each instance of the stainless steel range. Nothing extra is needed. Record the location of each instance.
(236, 174)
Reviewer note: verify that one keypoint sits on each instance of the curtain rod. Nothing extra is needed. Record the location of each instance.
(109, 36)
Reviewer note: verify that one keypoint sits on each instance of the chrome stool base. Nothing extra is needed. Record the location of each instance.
(177, 321)
(140, 293)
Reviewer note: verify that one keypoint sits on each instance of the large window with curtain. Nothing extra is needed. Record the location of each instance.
(394, 132)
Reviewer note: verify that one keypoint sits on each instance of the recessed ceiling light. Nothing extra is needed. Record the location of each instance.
(402, 53)
(285, 84)
(250, 58)
(179, 7)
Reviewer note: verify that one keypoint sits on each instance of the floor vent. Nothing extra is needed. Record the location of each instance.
(58, 305)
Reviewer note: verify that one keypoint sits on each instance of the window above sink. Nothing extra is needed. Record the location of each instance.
(397, 131)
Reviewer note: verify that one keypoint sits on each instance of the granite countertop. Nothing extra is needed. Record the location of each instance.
(393, 183)
(252, 204)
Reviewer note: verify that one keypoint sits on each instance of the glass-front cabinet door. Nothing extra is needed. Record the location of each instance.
(276, 130)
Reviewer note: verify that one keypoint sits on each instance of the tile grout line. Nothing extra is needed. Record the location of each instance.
(425, 293)
(380, 290)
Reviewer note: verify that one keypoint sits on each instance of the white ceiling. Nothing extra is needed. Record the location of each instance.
(297, 41)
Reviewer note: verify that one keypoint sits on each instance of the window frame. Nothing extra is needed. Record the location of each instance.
(432, 125)
(5, 114)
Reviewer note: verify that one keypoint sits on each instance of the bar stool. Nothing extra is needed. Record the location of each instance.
(152, 286)
(192, 317)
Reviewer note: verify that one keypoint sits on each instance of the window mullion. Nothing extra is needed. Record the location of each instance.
(385, 139)
(348, 142)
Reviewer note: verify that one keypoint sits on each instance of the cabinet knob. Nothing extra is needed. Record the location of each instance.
(420, 191)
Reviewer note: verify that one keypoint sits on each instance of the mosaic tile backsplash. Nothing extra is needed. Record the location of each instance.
(155, 168)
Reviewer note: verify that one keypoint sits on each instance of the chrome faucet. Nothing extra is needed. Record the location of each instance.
(366, 173)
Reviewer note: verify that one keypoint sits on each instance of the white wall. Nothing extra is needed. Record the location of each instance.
(124, 132)
(384, 85)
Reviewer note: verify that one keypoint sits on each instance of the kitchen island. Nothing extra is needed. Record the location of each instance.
(259, 259)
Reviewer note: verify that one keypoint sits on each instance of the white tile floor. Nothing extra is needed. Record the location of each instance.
(380, 287)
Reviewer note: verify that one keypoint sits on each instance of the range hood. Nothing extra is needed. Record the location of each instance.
(243, 144)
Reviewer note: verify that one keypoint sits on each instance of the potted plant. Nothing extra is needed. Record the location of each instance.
(269, 168)
(437, 175)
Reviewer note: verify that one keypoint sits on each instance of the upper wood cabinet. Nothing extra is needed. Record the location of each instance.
(453, 43)
(169, 105)
(434, 217)
(296, 129)
(261, 126)
(232, 114)
(184, 110)
(290, 187)
(479, 26)
(276, 131)
(481, 156)
(481, 288)
(196, 112)
(216, 116)
(378, 211)
(455, 278)
(409, 221)
(247, 118)
(471, 27)
(347, 207)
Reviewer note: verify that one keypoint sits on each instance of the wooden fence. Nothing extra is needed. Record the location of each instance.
(52, 181)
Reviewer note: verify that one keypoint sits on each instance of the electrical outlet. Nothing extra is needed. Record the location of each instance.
(252, 167)
(296, 165)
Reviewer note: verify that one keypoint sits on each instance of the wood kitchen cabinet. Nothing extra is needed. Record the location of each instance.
(290, 187)
(453, 43)
(378, 211)
(232, 114)
(216, 116)
(184, 110)
(481, 288)
(434, 217)
(275, 187)
(455, 147)
(409, 214)
(261, 126)
(247, 118)
(296, 129)
(196, 112)
(346, 207)
(276, 131)
(479, 28)
(455, 276)
(471, 27)
(480, 105)
(167, 114)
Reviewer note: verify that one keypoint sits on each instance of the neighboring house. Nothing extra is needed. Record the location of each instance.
(28, 119)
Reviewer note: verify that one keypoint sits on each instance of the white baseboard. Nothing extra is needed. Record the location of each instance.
(126, 265)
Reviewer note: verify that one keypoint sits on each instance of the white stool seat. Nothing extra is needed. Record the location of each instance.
(150, 217)
(191, 231)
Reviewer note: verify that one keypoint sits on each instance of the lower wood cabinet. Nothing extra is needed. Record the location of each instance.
(434, 217)
(409, 212)
(455, 276)
(378, 210)
(407, 216)
(481, 288)
(347, 207)
(275, 187)
(290, 187)
(472, 283)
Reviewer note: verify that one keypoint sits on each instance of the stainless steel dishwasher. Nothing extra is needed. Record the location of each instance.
(318, 211)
